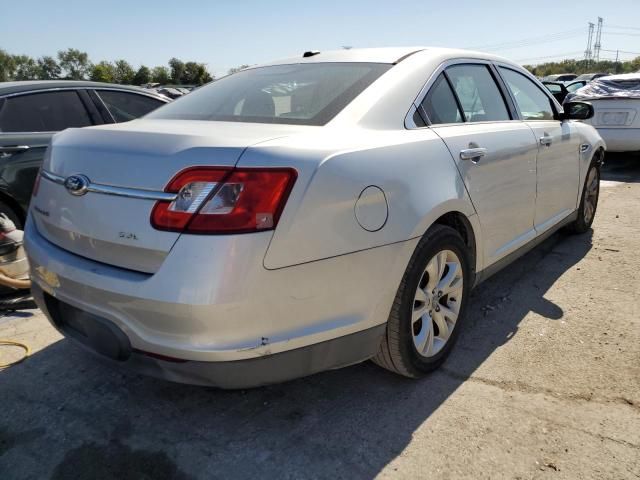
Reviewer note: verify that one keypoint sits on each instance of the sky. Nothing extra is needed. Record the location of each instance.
(224, 34)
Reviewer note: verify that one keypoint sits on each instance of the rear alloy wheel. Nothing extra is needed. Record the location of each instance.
(425, 319)
(589, 200)
(437, 303)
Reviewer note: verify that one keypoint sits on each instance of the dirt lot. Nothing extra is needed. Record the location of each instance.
(545, 382)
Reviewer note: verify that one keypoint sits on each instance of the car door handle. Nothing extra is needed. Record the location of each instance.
(546, 140)
(14, 149)
(472, 153)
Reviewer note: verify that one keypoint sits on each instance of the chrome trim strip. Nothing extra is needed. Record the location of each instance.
(139, 91)
(52, 177)
(115, 191)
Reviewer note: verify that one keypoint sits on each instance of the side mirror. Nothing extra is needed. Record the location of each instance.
(577, 111)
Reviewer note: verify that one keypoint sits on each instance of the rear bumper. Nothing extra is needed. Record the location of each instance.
(101, 336)
(621, 139)
(213, 302)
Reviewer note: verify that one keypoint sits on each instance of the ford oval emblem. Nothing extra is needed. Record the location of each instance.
(77, 184)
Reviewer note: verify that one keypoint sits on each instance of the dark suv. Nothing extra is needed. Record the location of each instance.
(31, 112)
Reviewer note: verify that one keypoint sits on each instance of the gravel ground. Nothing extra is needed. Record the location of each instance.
(544, 382)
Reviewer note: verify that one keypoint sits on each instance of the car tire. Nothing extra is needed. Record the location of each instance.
(402, 349)
(589, 199)
(10, 212)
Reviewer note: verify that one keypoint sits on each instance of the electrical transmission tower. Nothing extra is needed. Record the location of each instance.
(597, 45)
(588, 53)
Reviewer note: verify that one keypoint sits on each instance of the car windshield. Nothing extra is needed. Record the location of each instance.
(301, 94)
(585, 76)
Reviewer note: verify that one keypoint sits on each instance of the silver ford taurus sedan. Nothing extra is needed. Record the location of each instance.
(306, 214)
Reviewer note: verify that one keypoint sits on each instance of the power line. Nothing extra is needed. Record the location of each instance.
(566, 55)
(623, 33)
(623, 28)
(620, 51)
(525, 42)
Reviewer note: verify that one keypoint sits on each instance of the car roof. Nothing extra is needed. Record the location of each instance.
(388, 55)
(7, 88)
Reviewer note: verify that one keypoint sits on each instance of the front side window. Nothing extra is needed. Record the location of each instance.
(575, 86)
(300, 94)
(43, 112)
(553, 88)
(125, 106)
(440, 104)
(532, 102)
(478, 93)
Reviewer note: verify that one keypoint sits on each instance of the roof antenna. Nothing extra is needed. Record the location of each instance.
(310, 53)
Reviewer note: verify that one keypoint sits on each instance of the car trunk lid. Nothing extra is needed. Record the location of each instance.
(128, 167)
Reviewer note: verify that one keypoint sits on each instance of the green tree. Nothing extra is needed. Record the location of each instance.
(124, 72)
(48, 68)
(75, 63)
(160, 75)
(177, 70)
(195, 74)
(632, 66)
(26, 68)
(142, 76)
(236, 69)
(103, 72)
(7, 66)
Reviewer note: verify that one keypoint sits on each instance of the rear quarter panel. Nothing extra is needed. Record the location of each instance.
(412, 167)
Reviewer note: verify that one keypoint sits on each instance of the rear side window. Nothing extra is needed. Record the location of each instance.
(478, 93)
(300, 94)
(532, 102)
(43, 112)
(125, 106)
(440, 104)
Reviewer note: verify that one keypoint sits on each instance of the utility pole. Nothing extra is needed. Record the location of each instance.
(597, 45)
(587, 52)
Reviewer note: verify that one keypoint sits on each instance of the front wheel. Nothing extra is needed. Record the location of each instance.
(589, 200)
(427, 312)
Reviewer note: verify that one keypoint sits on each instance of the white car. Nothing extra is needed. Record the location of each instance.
(306, 214)
(616, 102)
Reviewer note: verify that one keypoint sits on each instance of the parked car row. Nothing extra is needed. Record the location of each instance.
(616, 102)
(305, 214)
(562, 84)
(169, 91)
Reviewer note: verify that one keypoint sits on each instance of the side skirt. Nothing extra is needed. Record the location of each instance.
(513, 256)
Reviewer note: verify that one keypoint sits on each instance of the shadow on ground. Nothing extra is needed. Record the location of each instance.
(66, 415)
(622, 167)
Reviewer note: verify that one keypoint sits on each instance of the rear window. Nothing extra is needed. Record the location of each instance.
(310, 94)
(125, 106)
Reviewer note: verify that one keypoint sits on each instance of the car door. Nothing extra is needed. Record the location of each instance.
(495, 154)
(558, 150)
(27, 122)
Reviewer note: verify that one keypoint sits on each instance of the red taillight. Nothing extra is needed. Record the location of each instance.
(221, 200)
